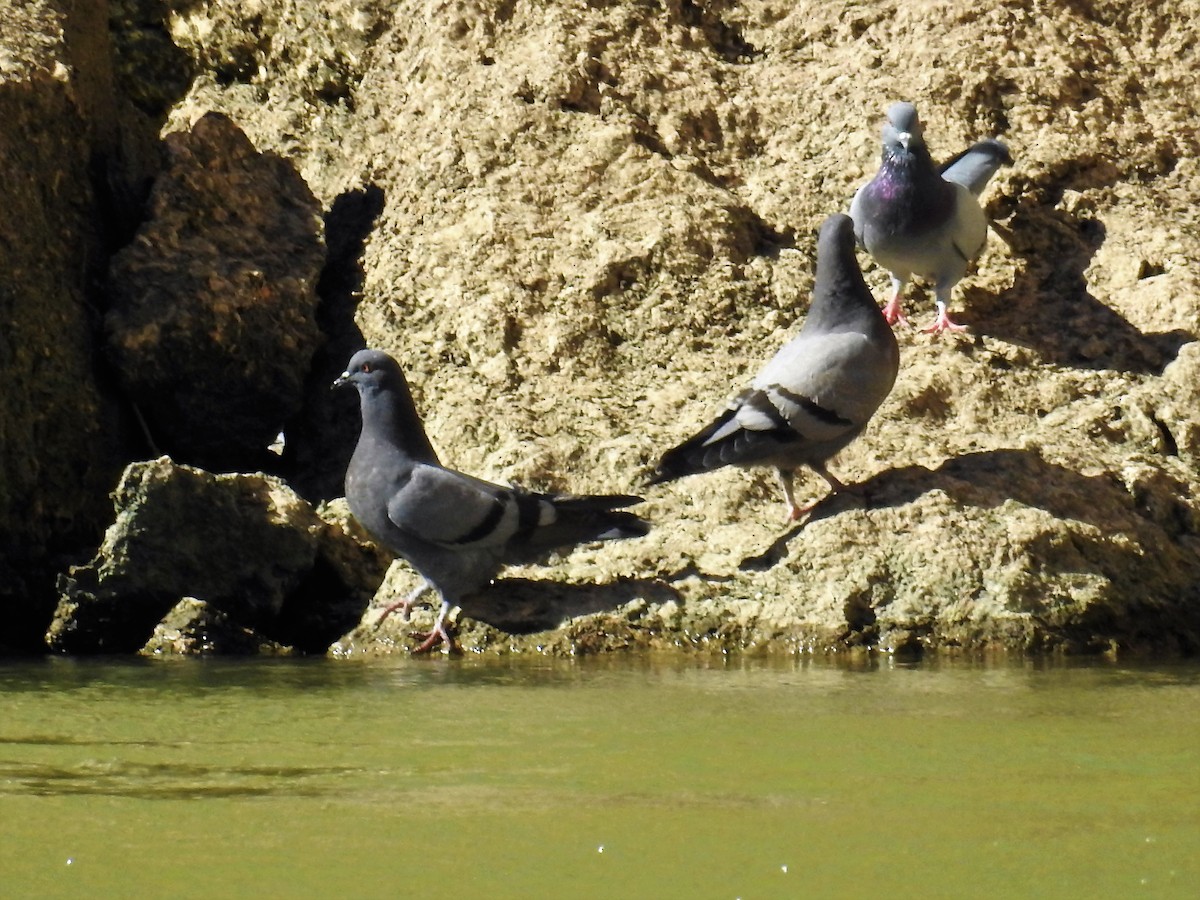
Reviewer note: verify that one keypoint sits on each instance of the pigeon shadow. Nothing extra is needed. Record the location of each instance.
(989, 478)
(1049, 308)
(527, 606)
(319, 440)
(985, 479)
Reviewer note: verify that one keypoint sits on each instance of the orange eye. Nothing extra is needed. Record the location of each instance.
(366, 367)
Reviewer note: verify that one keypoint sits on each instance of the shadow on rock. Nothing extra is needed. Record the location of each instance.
(985, 479)
(1049, 308)
(211, 324)
(988, 479)
(320, 438)
(526, 606)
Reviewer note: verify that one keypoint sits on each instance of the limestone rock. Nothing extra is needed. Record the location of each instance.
(213, 319)
(583, 229)
(583, 221)
(61, 434)
(193, 628)
(245, 545)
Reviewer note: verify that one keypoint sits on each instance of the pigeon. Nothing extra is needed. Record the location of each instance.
(455, 530)
(819, 391)
(916, 219)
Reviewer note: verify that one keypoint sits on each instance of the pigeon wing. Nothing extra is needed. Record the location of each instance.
(975, 166)
(969, 226)
(451, 509)
(826, 385)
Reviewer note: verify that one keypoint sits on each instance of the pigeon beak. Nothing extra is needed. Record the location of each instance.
(340, 381)
(904, 137)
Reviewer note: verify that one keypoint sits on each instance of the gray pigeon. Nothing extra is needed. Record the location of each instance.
(819, 391)
(455, 530)
(916, 219)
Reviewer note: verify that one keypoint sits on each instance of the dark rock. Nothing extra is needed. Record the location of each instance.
(213, 319)
(321, 438)
(60, 434)
(245, 545)
(194, 628)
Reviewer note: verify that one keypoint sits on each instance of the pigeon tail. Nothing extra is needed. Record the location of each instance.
(704, 452)
(690, 457)
(593, 501)
(596, 517)
(578, 520)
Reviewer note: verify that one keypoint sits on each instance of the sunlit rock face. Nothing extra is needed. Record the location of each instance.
(255, 554)
(583, 226)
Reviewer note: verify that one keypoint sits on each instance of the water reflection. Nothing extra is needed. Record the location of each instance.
(116, 777)
(699, 777)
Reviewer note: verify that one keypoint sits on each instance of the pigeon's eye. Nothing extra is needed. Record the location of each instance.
(365, 367)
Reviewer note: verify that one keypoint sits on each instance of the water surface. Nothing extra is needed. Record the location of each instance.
(597, 778)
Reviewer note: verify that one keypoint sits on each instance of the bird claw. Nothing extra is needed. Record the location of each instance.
(796, 513)
(405, 606)
(434, 637)
(943, 323)
(893, 313)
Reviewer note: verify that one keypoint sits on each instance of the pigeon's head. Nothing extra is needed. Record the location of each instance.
(837, 234)
(902, 130)
(370, 369)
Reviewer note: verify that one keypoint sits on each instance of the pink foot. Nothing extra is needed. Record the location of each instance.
(439, 633)
(893, 313)
(405, 606)
(943, 323)
(796, 513)
(433, 638)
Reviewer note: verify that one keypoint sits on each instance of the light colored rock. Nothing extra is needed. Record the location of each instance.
(580, 246)
(193, 628)
(582, 211)
(256, 555)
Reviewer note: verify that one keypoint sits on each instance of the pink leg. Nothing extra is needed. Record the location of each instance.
(438, 634)
(405, 605)
(796, 512)
(943, 322)
(893, 312)
(789, 498)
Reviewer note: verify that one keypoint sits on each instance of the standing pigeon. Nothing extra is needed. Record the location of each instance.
(819, 391)
(915, 219)
(455, 530)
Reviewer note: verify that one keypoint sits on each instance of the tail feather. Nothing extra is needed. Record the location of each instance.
(624, 525)
(739, 447)
(593, 501)
(975, 166)
(690, 457)
(579, 520)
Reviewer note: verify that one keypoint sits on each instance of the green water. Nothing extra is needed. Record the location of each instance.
(439, 778)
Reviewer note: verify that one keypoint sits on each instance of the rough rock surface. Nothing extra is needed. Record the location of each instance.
(587, 236)
(212, 324)
(589, 222)
(257, 556)
(60, 434)
(194, 628)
